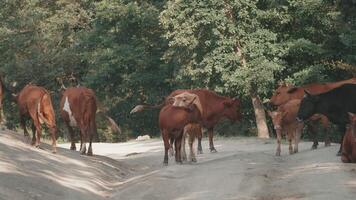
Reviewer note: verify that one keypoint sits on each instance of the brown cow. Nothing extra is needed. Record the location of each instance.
(172, 121)
(191, 131)
(78, 109)
(348, 153)
(284, 93)
(35, 102)
(284, 122)
(214, 109)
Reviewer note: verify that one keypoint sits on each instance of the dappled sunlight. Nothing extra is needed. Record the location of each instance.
(10, 168)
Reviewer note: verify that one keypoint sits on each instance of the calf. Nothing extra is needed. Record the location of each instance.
(78, 109)
(284, 122)
(172, 121)
(348, 152)
(191, 131)
(35, 102)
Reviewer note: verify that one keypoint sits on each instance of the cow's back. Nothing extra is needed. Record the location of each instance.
(29, 97)
(171, 117)
(81, 104)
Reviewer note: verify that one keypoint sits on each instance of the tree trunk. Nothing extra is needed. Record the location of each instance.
(261, 123)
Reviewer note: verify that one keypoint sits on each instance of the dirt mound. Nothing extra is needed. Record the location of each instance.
(30, 173)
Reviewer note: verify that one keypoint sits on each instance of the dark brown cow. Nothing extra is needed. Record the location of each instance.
(285, 92)
(35, 102)
(172, 121)
(348, 153)
(78, 109)
(214, 109)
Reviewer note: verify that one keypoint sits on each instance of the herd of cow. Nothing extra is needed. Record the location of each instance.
(185, 112)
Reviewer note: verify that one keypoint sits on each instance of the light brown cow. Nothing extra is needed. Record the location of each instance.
(35, 102)
(285, 92)
(284, 121)
(172, 121)
(78, 109)
(191, 131)
(348, 153)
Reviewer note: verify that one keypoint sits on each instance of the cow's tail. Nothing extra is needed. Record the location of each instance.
(140, 108)
(44, 110)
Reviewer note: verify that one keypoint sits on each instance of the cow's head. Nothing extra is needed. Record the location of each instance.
(232, 109)
(277, 118)
(307, 106)
(352, 118)
(187, 100)
(282, 94)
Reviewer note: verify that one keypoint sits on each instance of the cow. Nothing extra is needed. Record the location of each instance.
(334, 104)
(284, 123)
(348, 153)
(191, 131)
(78, 109)
(35, 102)
(172, 120)
(285, 92)
(214, 108)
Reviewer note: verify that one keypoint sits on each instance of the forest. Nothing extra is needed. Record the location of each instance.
(133, 52)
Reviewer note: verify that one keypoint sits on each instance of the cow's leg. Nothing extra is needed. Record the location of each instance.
(171, 150)
(83, 148)
(313, 129)
(200, 136)
(326, 126)
(211, 143)
(165, 137)
(53, 131)
(178, 143)
(23, 125)
(279, 138)
(33, 127)
(191, 153)
(72, 137)
(184, 154)
(343, 131)
(290, 140)
(90, 150)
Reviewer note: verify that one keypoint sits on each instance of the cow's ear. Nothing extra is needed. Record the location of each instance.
(292, 89)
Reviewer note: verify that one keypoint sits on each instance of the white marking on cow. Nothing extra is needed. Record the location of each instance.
(39, 113)
(66, 107)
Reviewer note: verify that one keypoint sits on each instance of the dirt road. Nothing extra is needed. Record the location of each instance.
(244, 168)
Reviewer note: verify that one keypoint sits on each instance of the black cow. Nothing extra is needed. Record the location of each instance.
(334, 104)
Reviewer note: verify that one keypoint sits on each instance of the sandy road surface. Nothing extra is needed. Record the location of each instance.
(244, 168)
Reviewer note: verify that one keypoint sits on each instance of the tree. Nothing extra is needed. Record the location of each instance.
(224, 46)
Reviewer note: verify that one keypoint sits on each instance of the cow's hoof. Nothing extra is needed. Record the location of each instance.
(73, 148)
(278, 153)
(179, 162)
(82, 152)
(54, 151)
(338, 153)
(295, 151)
(200, 151)
(90, 153)
(184, 158)
(213, 150)
(314, 147)
(165, 163)
(194, 160)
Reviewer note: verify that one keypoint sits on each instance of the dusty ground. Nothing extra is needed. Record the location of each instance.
(243, 168)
